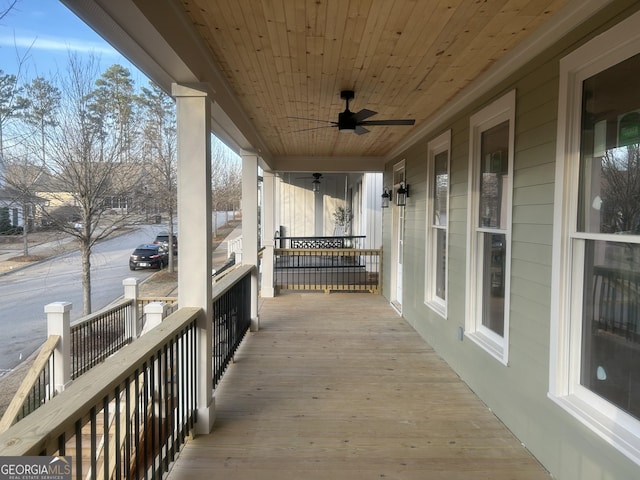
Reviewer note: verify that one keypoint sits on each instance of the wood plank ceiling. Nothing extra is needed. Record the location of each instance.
(403, 59)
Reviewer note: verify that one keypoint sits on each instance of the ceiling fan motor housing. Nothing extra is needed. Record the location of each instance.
(346, 121)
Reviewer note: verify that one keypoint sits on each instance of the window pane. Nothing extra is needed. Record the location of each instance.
(440, 189)
(441, 263)
(609, 197)
(494, 176)
(610, 323)
(493, 250)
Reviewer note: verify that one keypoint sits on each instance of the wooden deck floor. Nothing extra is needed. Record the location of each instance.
(339, 387)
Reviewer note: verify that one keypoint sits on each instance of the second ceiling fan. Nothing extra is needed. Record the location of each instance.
(354, 122)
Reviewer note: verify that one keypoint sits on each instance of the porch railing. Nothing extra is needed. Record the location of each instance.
(339, 241)
(231, 317)
(328, 269)
(100, 335)
(92, 339)
(126, 418)
(36, 388)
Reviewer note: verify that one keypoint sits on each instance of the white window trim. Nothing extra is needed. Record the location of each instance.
(435, 147)
(615, 426)
(396, 303)
(501, 110)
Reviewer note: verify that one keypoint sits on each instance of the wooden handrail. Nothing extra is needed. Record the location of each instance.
(41, 361)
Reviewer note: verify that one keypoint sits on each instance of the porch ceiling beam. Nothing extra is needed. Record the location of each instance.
(327, 164)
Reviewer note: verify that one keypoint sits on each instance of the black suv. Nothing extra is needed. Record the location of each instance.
(149, 256)
(163, 239)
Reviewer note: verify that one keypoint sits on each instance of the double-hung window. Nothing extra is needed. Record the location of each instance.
(489, 222)
(595, 328)
(437, 223)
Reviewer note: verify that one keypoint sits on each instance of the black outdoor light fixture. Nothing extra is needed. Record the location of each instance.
(386, 197)
(315, 185)
(402, 195)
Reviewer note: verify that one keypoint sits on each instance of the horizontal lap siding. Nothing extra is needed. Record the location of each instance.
(415, 223)
(522, 386)
(532, 229)
(517, 393)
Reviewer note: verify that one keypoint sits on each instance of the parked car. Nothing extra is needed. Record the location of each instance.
(163, 239)
(149, 256)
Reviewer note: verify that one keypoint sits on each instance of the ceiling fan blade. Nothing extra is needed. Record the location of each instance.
(388, 122)
(360, 130)
(311, 119)
(314, 128)
(362, 114)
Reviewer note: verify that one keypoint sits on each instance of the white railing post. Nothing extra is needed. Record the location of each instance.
(154, 313)
(59, 323)
(131, 292)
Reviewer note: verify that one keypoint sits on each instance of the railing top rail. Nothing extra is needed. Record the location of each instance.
(322, 237)
(34, 433)
(341, 251)
(21, 395)
(117, 305)
(227, 281)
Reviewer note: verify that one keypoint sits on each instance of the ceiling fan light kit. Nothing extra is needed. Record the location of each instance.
(315, 185)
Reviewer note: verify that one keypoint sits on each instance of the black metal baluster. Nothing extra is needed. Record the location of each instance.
(94, 443)
(78, 434)
(105, 435)
(128, 429)
(118, 446)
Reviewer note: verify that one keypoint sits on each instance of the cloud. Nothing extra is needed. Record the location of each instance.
(53, 44)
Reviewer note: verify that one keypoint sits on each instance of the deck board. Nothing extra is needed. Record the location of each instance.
(339, 387)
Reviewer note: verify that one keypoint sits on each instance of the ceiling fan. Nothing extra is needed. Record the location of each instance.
(354, 122)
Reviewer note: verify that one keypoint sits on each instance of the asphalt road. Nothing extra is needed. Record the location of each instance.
(24, 293)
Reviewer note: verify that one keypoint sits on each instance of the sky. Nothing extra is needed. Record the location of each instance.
(43, 32)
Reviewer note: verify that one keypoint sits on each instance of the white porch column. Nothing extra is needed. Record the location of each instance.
(193, 103)
(250, 227)
(268, 226)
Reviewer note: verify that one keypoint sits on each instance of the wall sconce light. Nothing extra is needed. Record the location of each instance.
(386, 197)
(402, 195)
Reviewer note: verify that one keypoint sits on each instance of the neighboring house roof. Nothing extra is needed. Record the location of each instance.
(11, 196)
(14, 175)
